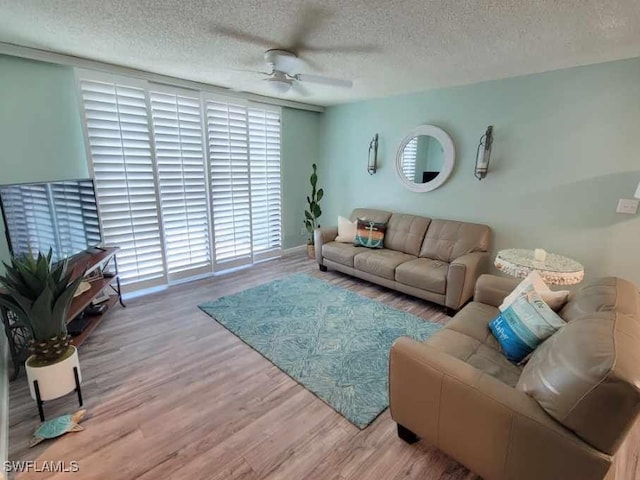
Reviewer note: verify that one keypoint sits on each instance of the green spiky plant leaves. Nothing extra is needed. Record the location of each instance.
(40, 292)
(313, 211)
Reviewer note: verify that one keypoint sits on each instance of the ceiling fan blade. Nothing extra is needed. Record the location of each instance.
(334, 82)
(343, 49)
(300, 89)
(310, 19)
(242, 36)
(246, 70)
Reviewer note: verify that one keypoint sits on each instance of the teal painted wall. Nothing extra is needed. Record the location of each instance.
(300, 144)
(40, 131)
(41, 137)
(566, 148)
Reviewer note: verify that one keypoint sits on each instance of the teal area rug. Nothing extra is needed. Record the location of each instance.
(331, 340)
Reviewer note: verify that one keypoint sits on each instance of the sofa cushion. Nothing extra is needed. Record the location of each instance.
(587, 375)
(467, 337)
(425, 274)
(447, 240)
(380, 216)
(341, 253)
(405, 233)
(602, 295)
(382, 263)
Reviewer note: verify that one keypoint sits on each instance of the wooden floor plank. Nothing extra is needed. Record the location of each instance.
(172, 394)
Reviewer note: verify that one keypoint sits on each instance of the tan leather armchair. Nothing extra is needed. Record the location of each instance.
(562, 416)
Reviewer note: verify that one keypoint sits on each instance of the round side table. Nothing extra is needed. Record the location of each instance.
(554, 270)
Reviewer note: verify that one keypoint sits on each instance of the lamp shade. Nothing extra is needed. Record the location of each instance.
(637, 194)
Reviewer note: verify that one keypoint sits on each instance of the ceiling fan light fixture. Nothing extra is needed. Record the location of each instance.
(280, 86)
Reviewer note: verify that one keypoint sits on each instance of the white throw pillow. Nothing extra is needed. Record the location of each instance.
(346, 230)
(555, 300)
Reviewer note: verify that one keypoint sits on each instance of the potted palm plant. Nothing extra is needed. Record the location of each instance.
(313, 212)
(40, 292)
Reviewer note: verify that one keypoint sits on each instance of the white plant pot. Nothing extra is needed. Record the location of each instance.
(55, 380)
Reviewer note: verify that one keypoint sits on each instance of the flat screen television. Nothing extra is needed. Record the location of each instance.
(61, 215)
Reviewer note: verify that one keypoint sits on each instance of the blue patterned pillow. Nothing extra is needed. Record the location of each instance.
(524, 325)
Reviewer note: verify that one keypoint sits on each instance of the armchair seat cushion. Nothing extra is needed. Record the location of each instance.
(341, 253)
(467, 337)
(382, 262)
(424, 273)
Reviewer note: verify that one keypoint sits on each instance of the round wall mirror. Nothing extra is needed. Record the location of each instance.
(425, 158)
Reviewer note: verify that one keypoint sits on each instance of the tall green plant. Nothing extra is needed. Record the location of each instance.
(313, 211)
(40, 293)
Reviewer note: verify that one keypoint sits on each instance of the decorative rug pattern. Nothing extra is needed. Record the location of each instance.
(331, 340)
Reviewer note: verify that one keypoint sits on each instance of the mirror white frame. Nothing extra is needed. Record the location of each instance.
(449, 158)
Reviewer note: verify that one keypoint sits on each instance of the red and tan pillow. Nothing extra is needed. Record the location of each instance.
(370, 234)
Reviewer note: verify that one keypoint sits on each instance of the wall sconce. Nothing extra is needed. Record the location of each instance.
(483, 155)
(637, 194)
(372, 164)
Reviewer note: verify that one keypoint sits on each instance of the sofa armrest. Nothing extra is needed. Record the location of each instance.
(492, 290)
(322, 236)
(495, 430)
(462, 276)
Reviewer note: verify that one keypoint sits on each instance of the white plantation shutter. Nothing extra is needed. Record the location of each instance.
(117, 129)
(264, 161)
(228, 147)
(187, 182)
(180, 165)
(409, 158)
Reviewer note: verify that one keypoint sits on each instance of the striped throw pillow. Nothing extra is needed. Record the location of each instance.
(370, 234)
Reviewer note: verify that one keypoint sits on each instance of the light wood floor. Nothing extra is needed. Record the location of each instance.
(172, 394)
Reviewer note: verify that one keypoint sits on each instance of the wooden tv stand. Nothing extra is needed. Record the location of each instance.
(87, 262)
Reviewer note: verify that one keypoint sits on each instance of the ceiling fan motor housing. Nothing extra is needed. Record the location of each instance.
(283, 61)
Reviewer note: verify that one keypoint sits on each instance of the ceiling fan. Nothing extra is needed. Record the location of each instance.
(283, 61)
(284, 74)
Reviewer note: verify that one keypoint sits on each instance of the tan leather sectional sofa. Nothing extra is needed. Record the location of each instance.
(560, 417)
(436, 260)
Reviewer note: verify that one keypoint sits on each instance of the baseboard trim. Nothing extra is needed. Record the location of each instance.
(294, 250)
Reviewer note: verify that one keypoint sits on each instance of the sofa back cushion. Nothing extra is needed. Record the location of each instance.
(587, 376)
(378, 216)
(405, 233)
(603, 295)
(447, 240)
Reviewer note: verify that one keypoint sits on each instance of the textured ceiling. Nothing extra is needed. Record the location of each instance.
(386, 47)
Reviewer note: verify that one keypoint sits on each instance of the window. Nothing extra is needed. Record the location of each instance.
(182, 185)
(187, 182)
(117, 130)
(230, 195)
(264, 155)
(244, 154)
